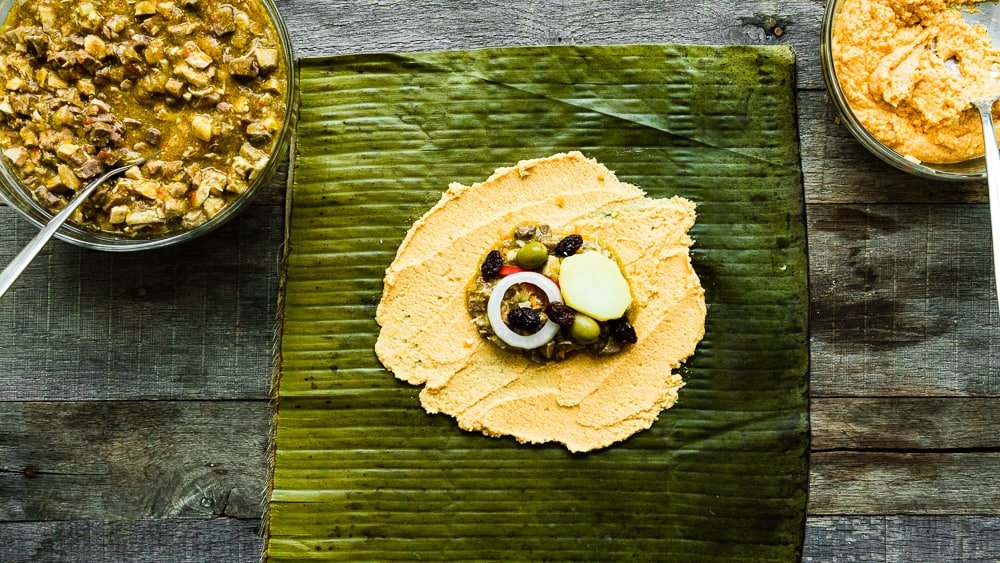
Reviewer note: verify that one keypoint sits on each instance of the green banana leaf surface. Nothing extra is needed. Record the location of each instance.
(361, 472)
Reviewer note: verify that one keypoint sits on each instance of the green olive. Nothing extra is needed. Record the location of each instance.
(585, 329)
(532, 255)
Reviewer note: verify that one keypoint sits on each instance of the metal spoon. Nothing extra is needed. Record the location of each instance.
(21, 261)
(992, 154)
(987, 14)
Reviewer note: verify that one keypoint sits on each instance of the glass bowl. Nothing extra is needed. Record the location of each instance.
(969, 170)
(15, 194)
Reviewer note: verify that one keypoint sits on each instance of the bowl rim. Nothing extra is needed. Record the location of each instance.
(853, 124)
(107, 241)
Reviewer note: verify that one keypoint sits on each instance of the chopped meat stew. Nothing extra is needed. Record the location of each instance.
(87, 85)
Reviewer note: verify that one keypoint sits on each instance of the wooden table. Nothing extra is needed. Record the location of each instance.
(134, 417)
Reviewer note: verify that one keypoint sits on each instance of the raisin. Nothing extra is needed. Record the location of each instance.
(621, 331)
(560, 314)
(492, 264)
(524, 318)
(569, 245)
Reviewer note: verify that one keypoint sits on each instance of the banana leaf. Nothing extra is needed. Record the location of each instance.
(361, 472)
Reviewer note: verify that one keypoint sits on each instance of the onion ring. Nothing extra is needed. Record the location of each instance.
(545, 334)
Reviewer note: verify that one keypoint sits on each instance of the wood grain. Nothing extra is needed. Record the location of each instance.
(933, 483)
(221, 539)
(194, 321)
(109, 460)
(949, 538)
(837, 169)
(828, 538)
(903, 302)
(321, 27)
(905, 424)
(844, 539)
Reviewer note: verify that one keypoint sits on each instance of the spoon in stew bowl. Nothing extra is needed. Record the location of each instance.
(21, 261)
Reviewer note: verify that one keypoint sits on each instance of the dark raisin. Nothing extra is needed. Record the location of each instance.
(524, 318)
(569, 246)
(491, 266)
(621, 331)
(560, 314)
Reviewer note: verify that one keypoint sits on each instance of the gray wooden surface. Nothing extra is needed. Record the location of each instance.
(133, 389)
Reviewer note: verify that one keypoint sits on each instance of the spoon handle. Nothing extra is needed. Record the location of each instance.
(993, 179)
(23, 258)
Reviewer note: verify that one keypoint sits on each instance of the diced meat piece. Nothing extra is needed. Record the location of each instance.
(97, 106)
(103, 134)
(267, 59)
(67, 150)
(193, 76)
(28, 136)
(147, 188)
(201, 126)
(199, 195)
(48, 198)
(102, 76)
(154, 51)
(173, 169)
(68, 178)
(236, 186)
(62, 116)
(193, 218)
(174, 207)
(153, 136)
(241, 166)
(89, 17)
(90, 169)
(223, 20)
(271, 85)
(215, 180)
(14, 84)
(213, 206)
(139, 40)
(6, 108)
(244, 67)
(38, 44)
(258, 133)
(196, 57)
(95, 46)
(21, 104)
(47, 16)
(144, 9)
(86, 87)
(177, 189)
(118, 214)
(174, 87)
(87, 61)
(126, 53)
(133, 173)
(143, 217)
(17, 156)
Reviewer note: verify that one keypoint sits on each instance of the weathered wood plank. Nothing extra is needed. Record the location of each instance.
(844, 539)
(321, 27)
(837, 169)
(904, 483)
(108, 460)
(195, 459)
(837, 538)
(903, 302)
(951, 538)
(194, 321)
(905, 424)
(221, 539)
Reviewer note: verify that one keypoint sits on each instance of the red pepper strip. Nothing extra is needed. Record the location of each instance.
(509, 270)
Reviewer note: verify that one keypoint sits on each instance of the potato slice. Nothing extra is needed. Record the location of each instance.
(594, 285)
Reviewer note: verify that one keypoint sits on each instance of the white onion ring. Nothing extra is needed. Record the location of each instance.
(545, 334)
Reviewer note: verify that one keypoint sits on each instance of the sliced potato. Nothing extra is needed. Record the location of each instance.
(594, 285)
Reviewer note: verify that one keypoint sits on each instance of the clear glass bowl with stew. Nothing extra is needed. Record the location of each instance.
(969, 170)
(18, 194)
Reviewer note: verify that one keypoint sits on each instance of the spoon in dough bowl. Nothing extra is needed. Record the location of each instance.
(21, 261)
(987, 15)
